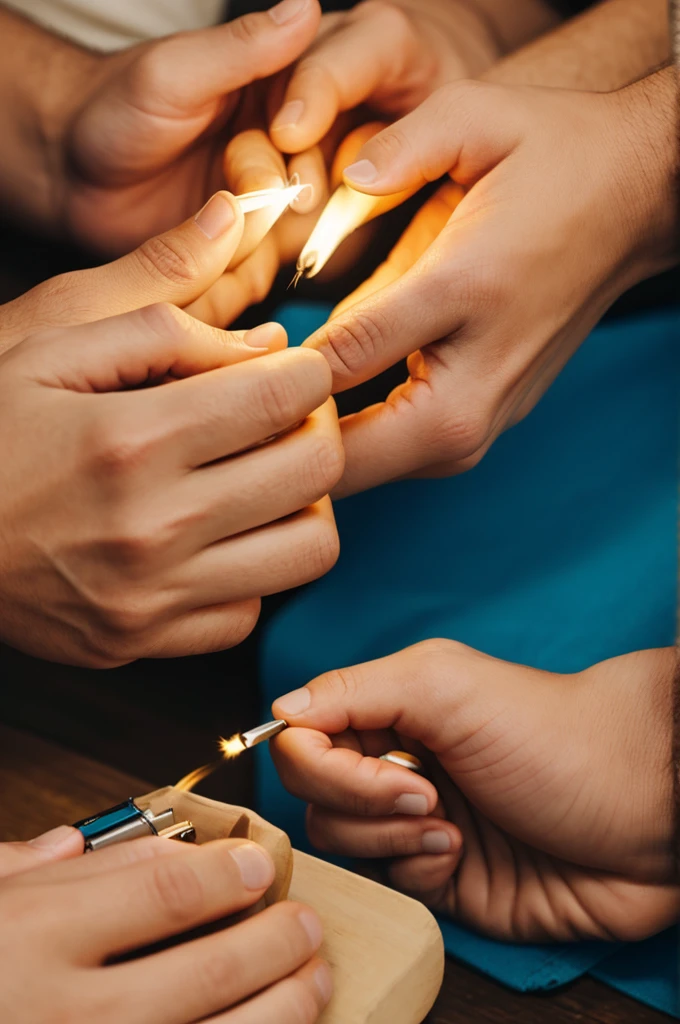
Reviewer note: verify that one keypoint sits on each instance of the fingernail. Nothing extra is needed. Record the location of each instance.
(324, 982)
(55, 838)
(312, 925)
(363, 172)
(295, 702)
(410, 803)
(288, 116)
(436, 842)
(263, 335)
(216, 217)
(286, 11)
(255, 866)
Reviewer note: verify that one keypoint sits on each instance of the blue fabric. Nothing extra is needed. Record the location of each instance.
(558, 550)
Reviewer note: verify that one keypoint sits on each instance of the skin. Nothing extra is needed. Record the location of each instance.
(70, 915)
(547, 813)
(153, 518)
(481, 349)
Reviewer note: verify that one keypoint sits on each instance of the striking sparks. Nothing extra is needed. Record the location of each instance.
(193, 778)
(232, 747)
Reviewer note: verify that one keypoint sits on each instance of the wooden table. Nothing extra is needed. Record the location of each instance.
(44, 785)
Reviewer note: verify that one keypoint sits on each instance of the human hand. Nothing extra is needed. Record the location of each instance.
(504, 273)
(182, 266)
(133, 521)
(135, 143)
(387, 56)
(59, 843)
(63, 923)
(552, 816)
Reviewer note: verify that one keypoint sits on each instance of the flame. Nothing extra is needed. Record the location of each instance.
(232, 747)
(228, 748)
(345, 211)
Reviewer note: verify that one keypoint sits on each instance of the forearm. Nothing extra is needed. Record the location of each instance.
(38, 74)
(614, 43)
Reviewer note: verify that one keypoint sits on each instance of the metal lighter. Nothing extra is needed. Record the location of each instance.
(128, 821)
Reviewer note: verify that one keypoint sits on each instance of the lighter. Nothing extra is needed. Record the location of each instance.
(128, 821)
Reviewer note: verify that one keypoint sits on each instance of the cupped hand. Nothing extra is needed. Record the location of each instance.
(139, 140)
(548, 811)
(65, 923)
(558, 202)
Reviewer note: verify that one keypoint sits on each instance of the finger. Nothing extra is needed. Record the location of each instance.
(165, 90)
(420, 692)
(268, 560)
(151, 900)
(148, 345)
(344, 780)
(61, 843)
(252, 163)
(463, 129)
(367, 56)
(396, 836)
(298, 999)
(247, 957)
(227, 410)
(238, 289)
(427, 878)
(110, 858)
(201, 631)
(176, 266)
(266, 484)
(309, 168)
(409, 434)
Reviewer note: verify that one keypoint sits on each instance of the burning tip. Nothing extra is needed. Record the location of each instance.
(232, 747)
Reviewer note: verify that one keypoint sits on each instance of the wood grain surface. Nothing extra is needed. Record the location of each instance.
(43, 785)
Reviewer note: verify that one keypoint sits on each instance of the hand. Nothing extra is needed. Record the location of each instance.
(388, 56)
(59, 843)
(493, 288)
(179, 266)
(135, 143)
(552, 816)
(133, 521)
(63, 923)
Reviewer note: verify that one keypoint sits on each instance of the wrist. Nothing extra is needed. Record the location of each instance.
(644, 115)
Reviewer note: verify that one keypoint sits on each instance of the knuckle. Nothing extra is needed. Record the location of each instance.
(462, 437)
(165, 320)
(242, 619)
(322, 549)
(355, 340)
(323, 466)
(125, 619)
(247, 29)
(279, 399)
(117, 449)
(175, 890)
(395, 23)
(303, 1007)
(213, 973)
(166, 258)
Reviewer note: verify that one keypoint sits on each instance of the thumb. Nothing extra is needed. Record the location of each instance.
(58, 844)
(463, 129)
(177, 266)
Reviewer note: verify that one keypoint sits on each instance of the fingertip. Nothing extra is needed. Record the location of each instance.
(269, 337)
(293, 705)
(221, 218)
(254, 865)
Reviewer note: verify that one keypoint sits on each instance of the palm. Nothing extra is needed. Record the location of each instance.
(513, 891)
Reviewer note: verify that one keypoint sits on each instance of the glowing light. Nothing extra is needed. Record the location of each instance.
(232, 747)
(344, 212)
(228, 748)
(193, 778)
(279, 198)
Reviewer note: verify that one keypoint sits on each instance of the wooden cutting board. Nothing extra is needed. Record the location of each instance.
(385, 950)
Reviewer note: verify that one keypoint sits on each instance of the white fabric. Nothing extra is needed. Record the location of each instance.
(114, 24)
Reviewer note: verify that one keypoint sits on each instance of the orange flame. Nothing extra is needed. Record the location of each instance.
(228, 748)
